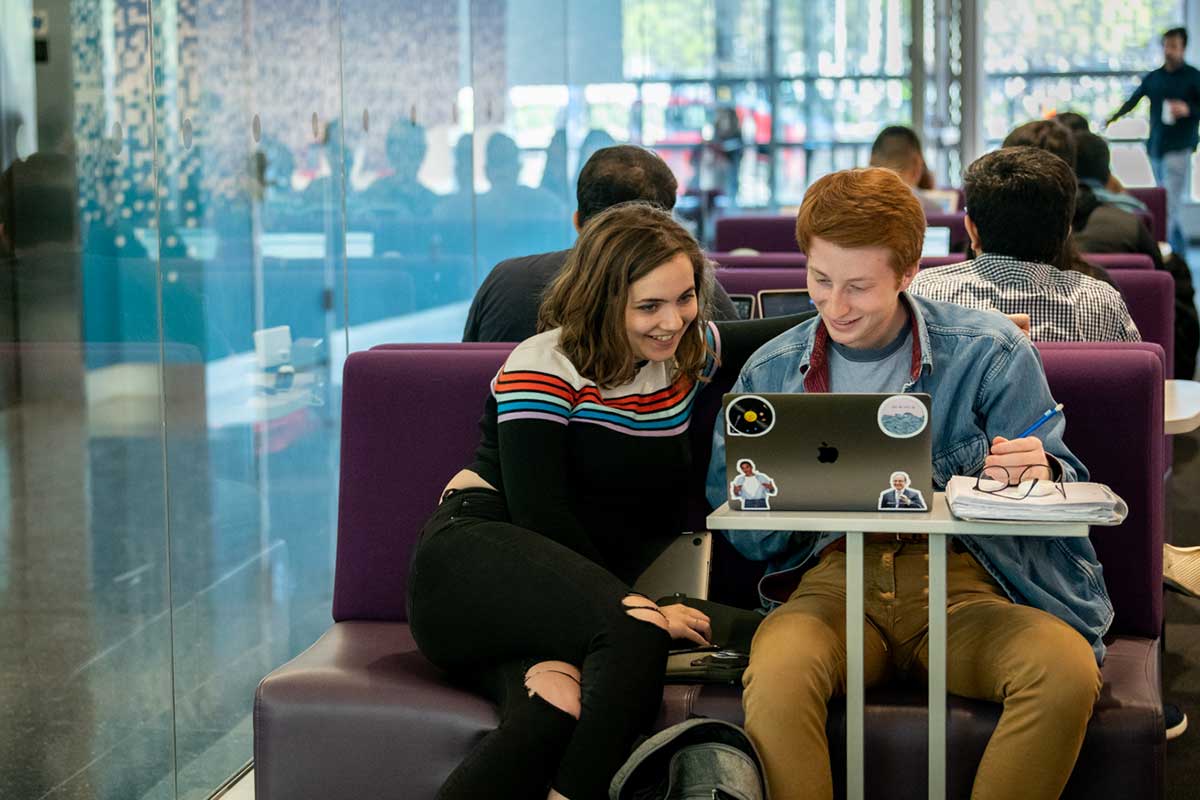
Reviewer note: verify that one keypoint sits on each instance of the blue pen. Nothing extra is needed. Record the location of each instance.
(1042, 420)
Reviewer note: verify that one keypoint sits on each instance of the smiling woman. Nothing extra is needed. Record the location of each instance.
(548, 526)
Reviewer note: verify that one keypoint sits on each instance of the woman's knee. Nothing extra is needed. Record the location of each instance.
(556, 682)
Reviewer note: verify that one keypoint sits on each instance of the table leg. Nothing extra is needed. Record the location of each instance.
(854, 666)
(937, 667)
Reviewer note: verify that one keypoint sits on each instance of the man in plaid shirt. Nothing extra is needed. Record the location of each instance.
(1020, 201)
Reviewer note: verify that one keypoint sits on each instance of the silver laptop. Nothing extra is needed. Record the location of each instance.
(828, 452)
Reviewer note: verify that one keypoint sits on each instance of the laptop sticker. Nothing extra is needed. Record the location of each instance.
(902, 416)
(899, 496)
(753, 489)
(749, 415)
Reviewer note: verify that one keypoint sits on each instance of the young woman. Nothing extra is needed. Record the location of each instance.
(521, 580)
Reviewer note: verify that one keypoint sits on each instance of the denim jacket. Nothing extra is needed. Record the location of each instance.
(986, 380)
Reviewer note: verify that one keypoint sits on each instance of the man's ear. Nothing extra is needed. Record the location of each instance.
(907, 277)
(575, 220)
(972, 233)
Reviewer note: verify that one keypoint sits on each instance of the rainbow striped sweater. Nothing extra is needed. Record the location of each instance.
(603, 471)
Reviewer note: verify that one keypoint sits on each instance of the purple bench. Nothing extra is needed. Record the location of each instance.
(362, 714)
(1155, 198)
(798, 259)
(776, 233)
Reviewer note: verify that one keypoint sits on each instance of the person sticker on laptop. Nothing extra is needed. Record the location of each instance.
(899, 496)
(755, 489)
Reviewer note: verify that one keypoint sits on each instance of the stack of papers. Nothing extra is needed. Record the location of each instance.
(1093, 503)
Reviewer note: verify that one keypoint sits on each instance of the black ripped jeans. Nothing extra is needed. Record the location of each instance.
(487, 600)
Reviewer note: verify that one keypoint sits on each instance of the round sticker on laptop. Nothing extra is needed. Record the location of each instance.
(902, 416)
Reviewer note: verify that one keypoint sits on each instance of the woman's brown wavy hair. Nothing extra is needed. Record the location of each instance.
(588, 298)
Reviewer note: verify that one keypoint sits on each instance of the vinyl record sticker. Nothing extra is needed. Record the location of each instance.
(749, 416)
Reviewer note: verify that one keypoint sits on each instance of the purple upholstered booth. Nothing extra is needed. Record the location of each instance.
(797, 259)
(749, 280)
(1150, 298)
(776, 233)
(1120, 260)
(362, 714)
(1155, 198)
(792, 260)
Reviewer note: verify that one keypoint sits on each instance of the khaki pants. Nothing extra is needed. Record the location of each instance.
(1041, 669)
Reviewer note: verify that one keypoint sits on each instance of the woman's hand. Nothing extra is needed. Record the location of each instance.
(685, 622)
(678, 620)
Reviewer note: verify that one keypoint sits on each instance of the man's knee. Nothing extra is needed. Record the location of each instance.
(1061, 666)
(792, 650)
(556, 682)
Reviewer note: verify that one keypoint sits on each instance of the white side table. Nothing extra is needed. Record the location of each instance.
(938, 522)
(1182, 401)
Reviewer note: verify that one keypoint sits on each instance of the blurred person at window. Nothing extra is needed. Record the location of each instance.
(402, 192)
(595, 139)
(399, 206)
(1056, 138)
(273, 165)
(511, 217)
(897, 148)
(1174, 92)
(554, 175)
(505, 308)
(1020, 202)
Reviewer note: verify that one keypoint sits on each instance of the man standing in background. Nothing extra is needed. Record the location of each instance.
(1174, 92)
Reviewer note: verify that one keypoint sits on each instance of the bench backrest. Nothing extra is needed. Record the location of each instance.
(409, 422)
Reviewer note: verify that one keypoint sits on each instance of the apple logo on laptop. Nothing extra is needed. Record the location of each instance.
(827, 453)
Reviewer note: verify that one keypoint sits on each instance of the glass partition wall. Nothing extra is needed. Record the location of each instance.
(205, 206)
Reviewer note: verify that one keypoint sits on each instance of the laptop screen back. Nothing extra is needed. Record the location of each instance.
(743, 304)
(780, 302)
(937, 242)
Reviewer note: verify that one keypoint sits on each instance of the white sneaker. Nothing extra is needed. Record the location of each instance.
(1176, 720)
(1181, 569)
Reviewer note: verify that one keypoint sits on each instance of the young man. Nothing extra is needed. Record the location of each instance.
(1020, 201)
(1174, 92)
(863, 230)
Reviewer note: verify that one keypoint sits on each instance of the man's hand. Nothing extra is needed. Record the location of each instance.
(1179, 109)
(1018, 453)
(1022, 322)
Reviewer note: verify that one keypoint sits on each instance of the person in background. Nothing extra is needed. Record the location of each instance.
(1100, 226)
(1174, 92)
(1112, 190)
(1054, 137)
(505, 309)
(897, 148)
(1020, 202)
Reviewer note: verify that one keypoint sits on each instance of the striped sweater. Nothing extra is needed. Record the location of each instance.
(603, 471)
